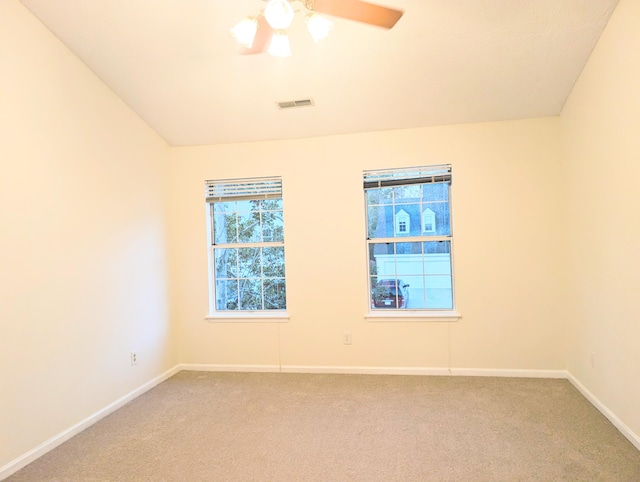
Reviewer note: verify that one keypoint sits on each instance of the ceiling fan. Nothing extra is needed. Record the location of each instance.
(268, 27)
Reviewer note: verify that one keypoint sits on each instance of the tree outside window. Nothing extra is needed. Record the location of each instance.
(247, 242)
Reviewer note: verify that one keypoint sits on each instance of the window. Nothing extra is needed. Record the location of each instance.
(429, 220)
(403, 222)
(247, 246)
(414, 272)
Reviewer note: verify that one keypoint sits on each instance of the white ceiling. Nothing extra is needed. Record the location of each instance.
(445, 62)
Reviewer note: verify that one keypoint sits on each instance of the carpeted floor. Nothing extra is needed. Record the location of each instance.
(206, 426)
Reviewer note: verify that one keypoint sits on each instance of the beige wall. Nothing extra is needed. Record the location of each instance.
(506, 209)
(82, 241)
(601, 125)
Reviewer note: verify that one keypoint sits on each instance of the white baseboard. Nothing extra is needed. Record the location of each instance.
(510, 373)
(432, 371)
(200, 367)
(361, 370)
(315, 369)
(365, 370)
(37, 452)
(624, 429)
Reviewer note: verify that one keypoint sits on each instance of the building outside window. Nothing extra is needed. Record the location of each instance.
(403, 222)
(247, 246)
(429, 220)
(410, 263)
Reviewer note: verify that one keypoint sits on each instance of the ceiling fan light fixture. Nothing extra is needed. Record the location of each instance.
(318, 26)
(279, 14)
(279, 46)
(245, 31)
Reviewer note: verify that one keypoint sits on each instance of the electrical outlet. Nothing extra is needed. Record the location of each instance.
(134, 358)
(346, 338)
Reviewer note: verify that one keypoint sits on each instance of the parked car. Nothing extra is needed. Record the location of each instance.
(390, 293)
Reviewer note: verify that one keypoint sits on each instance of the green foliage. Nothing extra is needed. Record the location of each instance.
(252, 277)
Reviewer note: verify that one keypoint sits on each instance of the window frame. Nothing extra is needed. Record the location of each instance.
(246, 189)
(409, 314)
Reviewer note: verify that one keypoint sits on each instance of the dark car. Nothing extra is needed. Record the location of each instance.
(390, 293)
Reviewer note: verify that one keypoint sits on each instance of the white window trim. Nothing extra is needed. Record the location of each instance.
(271, 186)
(248, 317)
(413, 315)
(409, 315)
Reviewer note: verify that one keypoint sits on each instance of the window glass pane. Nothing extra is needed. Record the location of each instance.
(272, 226)
(382, 259)
(437, 258)
(408, 259)
(417, 297)
(409, 286)
(380, 222)
(390, 293)
(406, 194)
(226, 207)
(379, 196)
(249, 262)
(384, 293)
(274, 294)
(437, 247)
(273, 262)
(246, 206)
(248, 223)
(376, 249)
(435, 191)
(271, 204)
(227, 295)
(250, 294)
(440, 211)
(439, 293)
(226, 263)
(224, 228)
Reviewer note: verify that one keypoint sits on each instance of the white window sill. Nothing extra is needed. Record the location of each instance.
(248, 317)
(412, 315)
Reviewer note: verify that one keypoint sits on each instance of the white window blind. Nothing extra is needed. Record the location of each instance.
(242, 189)
(411, 175)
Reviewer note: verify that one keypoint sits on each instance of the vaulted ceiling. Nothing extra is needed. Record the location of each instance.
(175, 63)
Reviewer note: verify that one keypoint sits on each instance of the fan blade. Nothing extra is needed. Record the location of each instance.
(359, 11)
(261, 40)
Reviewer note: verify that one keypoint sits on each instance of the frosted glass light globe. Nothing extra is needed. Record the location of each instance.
(319, 27)
(279, 14)
(280, 45)
(245, 31)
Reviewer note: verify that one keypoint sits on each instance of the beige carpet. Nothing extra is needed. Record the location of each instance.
(202, 426)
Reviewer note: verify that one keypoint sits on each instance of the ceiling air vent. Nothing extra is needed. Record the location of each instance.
(289, 104)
